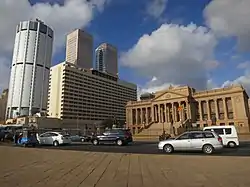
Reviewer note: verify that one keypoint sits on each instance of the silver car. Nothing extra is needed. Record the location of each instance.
(204, 141)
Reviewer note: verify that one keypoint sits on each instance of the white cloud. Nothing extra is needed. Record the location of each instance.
(155, 8)
(244, 79)
(174, 54)
(230, 18)
(62, 19)
(243, 65)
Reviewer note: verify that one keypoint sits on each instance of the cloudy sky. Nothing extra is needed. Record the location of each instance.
(201, 43)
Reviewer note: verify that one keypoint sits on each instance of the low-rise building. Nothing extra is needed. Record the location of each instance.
(3, 105)
(177, 109)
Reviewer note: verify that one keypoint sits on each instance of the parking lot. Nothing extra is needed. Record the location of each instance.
(140, 164)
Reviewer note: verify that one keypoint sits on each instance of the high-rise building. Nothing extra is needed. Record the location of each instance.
(87, 94)
(106, 59)
(3, 104)
(29, 79)
(79, 49)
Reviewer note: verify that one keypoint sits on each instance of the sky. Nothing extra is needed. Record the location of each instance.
(201, 43)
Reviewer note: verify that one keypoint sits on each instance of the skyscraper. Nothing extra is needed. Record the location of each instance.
(29, 79)
(79, 49)
(106, 59)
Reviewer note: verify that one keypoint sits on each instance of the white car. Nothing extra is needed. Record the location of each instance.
(227, 133)
(54, 138)
(204, 141)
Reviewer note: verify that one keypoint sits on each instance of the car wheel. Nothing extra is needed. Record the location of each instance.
(95, 142)
(231, 144)
(168, 148)
(208, 149)
(119, 142)
(55, 143)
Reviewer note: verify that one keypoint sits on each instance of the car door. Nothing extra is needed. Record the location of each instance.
(42, 138)
(183, 142)
(197, 140)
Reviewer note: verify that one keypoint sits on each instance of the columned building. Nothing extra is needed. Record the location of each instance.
(181, 108)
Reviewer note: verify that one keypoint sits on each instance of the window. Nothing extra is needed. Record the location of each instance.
(183, 137)
(196, 135)
(231, 123)
(209, 134)
(228, 130)
(218, 131)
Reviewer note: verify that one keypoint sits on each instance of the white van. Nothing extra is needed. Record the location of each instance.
(227, 133)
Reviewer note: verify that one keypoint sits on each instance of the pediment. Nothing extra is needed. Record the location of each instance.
(169, 95)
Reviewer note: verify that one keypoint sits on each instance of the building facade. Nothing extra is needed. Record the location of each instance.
(3, 105)
(177, 109)
(79, 49)
(106, 59)
(29, 79)
(87, 95)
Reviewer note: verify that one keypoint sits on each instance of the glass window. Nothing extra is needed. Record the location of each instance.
(219, 131)
(24, 26)
(43, 28)
(228, 130)
(196, 135)
(33, 26)
(231, 123)
(184, 137)
(209, 135)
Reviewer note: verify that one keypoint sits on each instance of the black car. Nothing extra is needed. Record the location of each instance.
(115, 136)
(79, 138)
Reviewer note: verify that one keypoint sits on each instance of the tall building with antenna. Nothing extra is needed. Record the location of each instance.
(29, 79)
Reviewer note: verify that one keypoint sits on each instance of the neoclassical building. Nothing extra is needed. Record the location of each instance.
(178, 108)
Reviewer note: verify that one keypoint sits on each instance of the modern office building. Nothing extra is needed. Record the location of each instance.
(85, 94)
(3, 105)
(178, 108)
(106, 59)
(79, 49)
(29, 79)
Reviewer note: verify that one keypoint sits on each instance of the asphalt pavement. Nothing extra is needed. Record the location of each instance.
(144, 147)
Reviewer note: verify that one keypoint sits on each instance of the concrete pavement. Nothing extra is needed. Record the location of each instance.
(41, 167)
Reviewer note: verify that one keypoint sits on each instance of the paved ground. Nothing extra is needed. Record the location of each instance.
(48, 167)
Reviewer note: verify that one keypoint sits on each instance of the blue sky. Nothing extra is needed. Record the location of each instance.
(217, 60)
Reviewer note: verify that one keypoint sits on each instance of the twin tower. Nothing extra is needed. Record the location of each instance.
(32, 56)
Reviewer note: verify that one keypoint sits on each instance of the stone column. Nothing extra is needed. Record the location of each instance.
(147, 115)
(166, 115)
(216, 109)
(158, 113)
(200, 111)
(208, 110)
(225, 109)
(234, 107)
(153, 113)
(173, 112)
(136, 116)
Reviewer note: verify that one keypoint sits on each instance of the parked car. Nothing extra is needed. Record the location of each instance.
(54, 138)
(27, 137)
(114, 136)
(204, 141)
(79, 138)
(227, 133)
